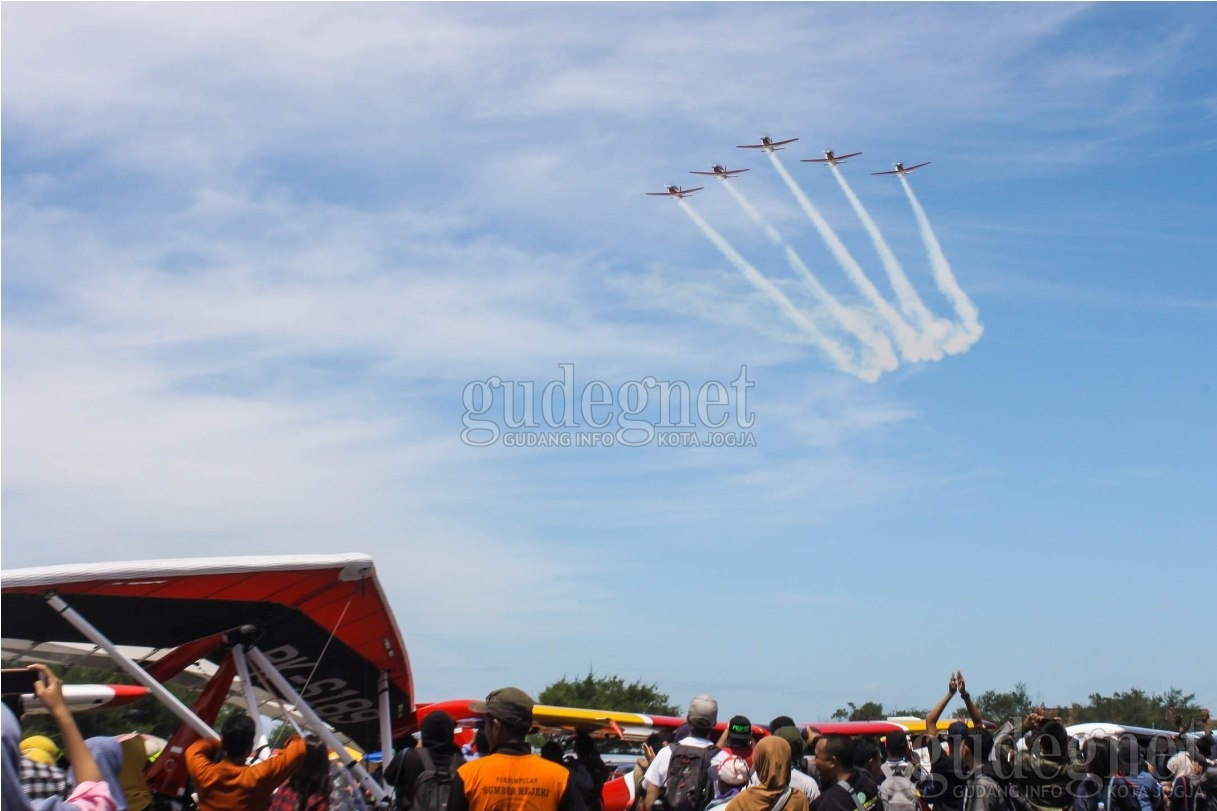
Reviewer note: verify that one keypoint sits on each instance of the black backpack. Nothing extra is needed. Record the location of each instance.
(688, 787)
(434, 786)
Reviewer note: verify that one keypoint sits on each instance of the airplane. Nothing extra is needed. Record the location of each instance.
(310, 636)
(719, 171)
(831, 159)
(901, 169)
(767, 144)
(675, 191)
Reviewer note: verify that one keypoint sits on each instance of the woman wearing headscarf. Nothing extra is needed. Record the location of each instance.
(90, 794)
(773, 792)
(108, 754)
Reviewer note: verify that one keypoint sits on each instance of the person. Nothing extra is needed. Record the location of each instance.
(108, 753)
(737, 738)
(654, 742)
(131, 778)
(509, 777)
(899, 775)
(798, 778)
(40, 775)
(981, 791)
(1145, 787)
(1103, 787)
(224, 782)
(308, 789)
(587, 758)
(732, 776)
(436, 736)
(1039, 777)
(945, 787)
(771, 761)
(91, 792)
(701, 718)
(842, 786)
(552, 751)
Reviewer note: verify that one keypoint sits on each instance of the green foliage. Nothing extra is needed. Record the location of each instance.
(1011, 706)
(1137, 708)
(1132, 708)
(909, 712)
(870, 711)
(608, 693)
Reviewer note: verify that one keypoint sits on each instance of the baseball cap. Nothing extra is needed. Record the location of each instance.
(739, 730)
(734, 771)
(793, 737)
(511, 705)
(957, 729)
(703, 709)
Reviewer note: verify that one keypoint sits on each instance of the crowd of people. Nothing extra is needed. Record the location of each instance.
(788, 769)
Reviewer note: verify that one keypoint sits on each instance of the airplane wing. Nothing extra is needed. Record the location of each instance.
(690, 191)
(833, 159)
(661, 193)
(769, 145)
(724, 173)
(904, 170)
(323, 621)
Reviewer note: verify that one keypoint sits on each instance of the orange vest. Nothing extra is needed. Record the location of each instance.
(502, 782)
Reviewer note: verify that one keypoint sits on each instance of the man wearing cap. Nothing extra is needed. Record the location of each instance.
(737, 738)
(40, 776)
(702, 716)
(511, 777)
(945, 788)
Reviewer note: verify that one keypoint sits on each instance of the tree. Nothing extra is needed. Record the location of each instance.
(1011, 706)
(870, 711)
(608, 693)
(1137, 708)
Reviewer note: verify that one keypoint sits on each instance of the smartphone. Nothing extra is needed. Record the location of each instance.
(18, 682)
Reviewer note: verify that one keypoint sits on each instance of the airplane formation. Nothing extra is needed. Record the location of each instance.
(769, 145)
(870, 335)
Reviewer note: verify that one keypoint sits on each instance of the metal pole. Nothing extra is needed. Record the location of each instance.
(386, 721)
(272, 674)
(128, 664)
(251, 701)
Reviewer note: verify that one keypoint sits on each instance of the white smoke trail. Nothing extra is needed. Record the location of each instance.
(912, 346)
(970, 328)
(853, 321)
(831, 348)
(911, 305)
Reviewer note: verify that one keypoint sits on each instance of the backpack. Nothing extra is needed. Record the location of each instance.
(434, 786)
(688, 786)
(898, 791)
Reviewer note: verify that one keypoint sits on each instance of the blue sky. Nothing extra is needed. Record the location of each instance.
(253, 255)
